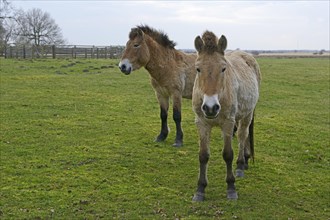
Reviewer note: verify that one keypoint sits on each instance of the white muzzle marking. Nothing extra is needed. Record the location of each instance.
(125, 66)
(211, 106)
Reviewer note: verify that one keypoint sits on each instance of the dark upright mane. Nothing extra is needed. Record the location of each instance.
(210, 42)
(159, 36)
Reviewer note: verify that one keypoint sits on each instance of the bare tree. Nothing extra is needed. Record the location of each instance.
(5, 9)
(37, 28)
(7, 31)
(7, 24)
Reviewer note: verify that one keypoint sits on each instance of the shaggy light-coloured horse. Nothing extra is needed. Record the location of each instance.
(225, 94)
(172, 72)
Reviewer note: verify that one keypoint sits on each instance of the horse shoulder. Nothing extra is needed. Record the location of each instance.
(246, 62)
(245, 68)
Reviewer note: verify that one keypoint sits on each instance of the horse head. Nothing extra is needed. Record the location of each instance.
(211, 67)
(136, 53)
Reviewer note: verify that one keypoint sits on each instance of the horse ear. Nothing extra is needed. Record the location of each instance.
(199, 44)
(136, 32)
(140, 33)
(222, 44)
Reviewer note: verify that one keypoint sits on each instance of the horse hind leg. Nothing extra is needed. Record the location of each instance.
(164, 104)
(177, 119)
(249, 149)
(244, 146)
(246, 157)
(179, 134)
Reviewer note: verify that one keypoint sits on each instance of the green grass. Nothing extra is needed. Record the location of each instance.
(77, 143)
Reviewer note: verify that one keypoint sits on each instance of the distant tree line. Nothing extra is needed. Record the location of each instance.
(31, 28)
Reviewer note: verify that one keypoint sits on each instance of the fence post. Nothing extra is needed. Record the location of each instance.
(24, 52)
(92, 52)
(111, 53)
(73, 52)
(97, 53)
(86, 53)
(10, 51)
(17, 52)
(53, 51)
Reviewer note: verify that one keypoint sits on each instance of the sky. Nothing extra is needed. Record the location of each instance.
(248, 25)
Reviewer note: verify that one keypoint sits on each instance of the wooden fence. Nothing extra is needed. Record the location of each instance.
(63, 51)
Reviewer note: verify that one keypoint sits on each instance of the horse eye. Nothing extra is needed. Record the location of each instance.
(223, 69)
(136, 45)
(198, 70)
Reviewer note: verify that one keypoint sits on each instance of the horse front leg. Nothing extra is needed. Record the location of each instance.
(228, 156)
(177, 119)
(164, 104)
(204, 155)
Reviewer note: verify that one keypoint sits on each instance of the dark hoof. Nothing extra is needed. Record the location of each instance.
(239, 173)
(178, 144)
(232, 194)
(199, 197)
(160, 138)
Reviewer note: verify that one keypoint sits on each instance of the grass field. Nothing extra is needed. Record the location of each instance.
(77, 143)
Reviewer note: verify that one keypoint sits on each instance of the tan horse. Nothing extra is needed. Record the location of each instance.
(225, 93)
(172, 72)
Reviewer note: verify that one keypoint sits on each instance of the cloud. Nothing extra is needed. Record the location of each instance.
(247, 24)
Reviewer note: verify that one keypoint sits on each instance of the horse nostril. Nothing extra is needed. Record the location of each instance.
(211, 112)
(123, 67)
(216, 108)
(204, 108)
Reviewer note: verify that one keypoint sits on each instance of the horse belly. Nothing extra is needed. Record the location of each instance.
(187, 86)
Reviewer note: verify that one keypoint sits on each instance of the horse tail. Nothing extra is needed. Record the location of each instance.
(251, 138)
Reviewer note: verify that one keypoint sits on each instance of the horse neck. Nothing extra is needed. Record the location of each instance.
(159, 57)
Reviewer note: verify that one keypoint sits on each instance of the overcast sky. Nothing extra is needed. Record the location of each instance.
(247, 24)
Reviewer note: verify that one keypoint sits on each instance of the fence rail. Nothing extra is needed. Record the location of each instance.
(63, 51)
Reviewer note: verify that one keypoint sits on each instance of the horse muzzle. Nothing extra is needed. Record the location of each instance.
(125, 67)
(211, 112)
(211, 106)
